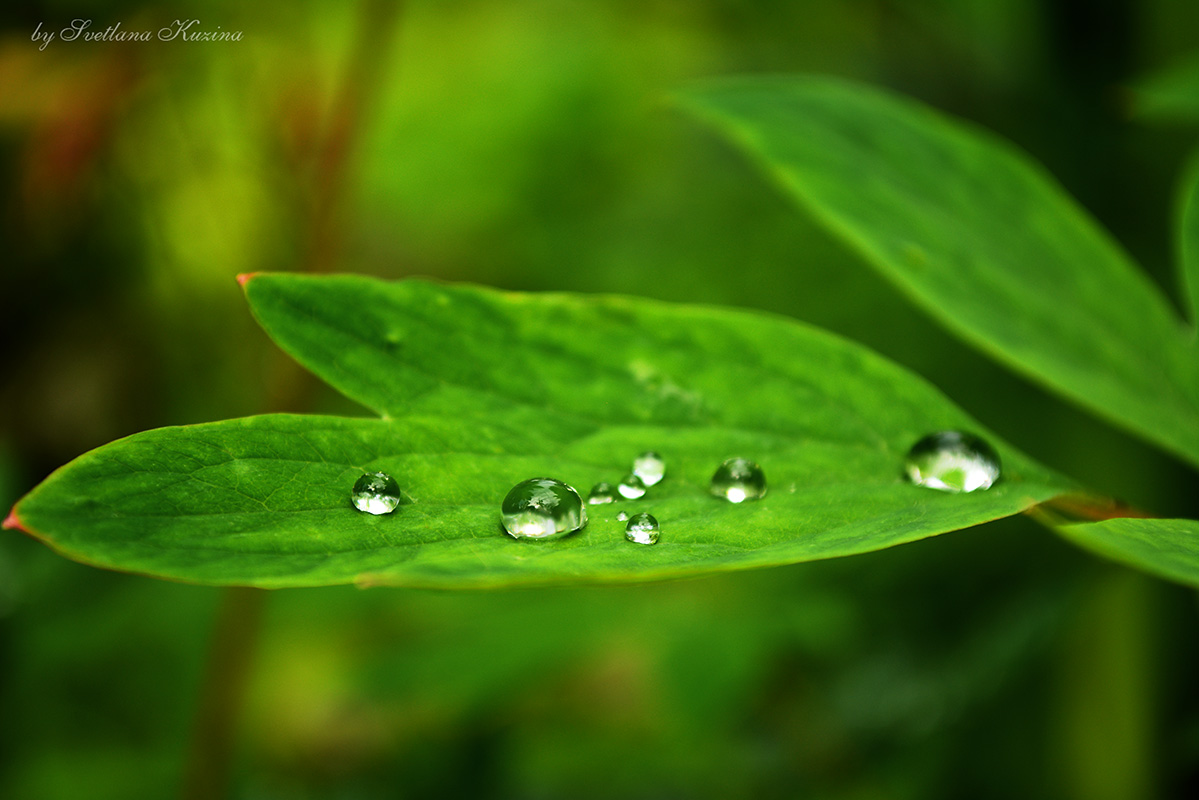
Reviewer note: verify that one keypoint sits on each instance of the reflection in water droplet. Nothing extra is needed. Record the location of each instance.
(738, 479)
(622, 515)
(649, 467)
(631, 487)
(376, 493)
(602, 492)
(542, 507)
(642, 529)
(952, 461)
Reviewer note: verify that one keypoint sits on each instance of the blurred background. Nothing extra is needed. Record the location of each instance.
(531, 144)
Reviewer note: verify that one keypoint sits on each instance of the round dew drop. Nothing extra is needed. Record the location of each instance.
(738, 480)
(541, 508)
(602, 492)
(952, 461)
(376, 493)
(649, 467)
(631, 487)
(622, 515)
(642, 529)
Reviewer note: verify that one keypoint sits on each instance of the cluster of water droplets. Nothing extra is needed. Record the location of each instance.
(544, 508)
(648, 470)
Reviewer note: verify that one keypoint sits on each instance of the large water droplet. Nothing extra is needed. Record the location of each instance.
(952, 461)
(542, 507)
(739, 479)
(631, 487)
(376, 493)
(649, 467)
(602, 492)
(642, 529)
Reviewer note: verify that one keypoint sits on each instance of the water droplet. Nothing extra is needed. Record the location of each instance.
(642, 529)
(376, 493)
(542, 507)
(649, 467)
(739, 479)
(631, 487)
(602, 492)
(952, 461)
(622, 515)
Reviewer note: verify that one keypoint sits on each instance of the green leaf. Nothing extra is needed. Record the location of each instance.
(1167, 548)
(1188, 237)
(1171, 94)
(483, 389)
(977, 234)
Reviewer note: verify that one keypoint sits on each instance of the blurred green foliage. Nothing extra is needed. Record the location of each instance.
(528, 145)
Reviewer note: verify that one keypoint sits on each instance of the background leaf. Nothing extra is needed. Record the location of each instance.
(485, 389)
(1171, 93)
(1188, 237)
(980, 237)
(1167, 548)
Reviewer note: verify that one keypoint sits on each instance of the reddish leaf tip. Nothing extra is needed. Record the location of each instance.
(244, 278)
(11, 522)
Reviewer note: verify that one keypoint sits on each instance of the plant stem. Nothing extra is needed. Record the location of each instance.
(1104, 706)
(238, 621)
(358, 90)
(1079, 508)
(291, 388)
(231, 655)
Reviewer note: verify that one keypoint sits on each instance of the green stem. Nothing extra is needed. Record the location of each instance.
(291, 388)
(358, 90)
(1104, 720)
(1084, 508)
(238, 621)
(231, 656)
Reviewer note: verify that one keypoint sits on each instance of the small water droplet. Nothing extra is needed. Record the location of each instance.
(649, 467)
(642, 529)
(631, 487)
(622, 515)
(739, 479)
(602, 492)
(376, 493)
(542, 507)
(952, 461)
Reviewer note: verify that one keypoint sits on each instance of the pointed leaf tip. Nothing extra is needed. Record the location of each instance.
(244, 278)
(11, 523)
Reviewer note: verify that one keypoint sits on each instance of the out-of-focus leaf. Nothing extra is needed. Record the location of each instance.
(978, 235)
(1188, 237)
(1169, 94)
(1167, 548)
